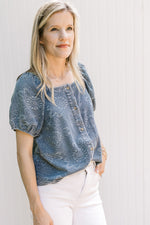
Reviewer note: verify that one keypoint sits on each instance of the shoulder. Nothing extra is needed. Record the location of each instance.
(84, 72)
(88, 83)
(81, 67)
(27, 80)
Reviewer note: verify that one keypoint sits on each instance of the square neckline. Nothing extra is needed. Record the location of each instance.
(57, 87)
(64, 85)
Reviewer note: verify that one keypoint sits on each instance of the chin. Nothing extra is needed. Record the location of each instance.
(64, 56)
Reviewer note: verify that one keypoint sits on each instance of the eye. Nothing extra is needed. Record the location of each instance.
(69, 28)
(53, 29)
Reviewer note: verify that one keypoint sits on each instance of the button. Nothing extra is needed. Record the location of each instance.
(75, 107)
(67, 87)
(92, 148)
(82, 128)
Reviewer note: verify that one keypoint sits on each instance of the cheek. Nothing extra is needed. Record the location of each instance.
(51, 39)
(71, 38)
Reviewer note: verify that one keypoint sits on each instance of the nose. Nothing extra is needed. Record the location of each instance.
(63, 35)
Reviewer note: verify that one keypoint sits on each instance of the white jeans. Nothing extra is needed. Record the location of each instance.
(75, 200)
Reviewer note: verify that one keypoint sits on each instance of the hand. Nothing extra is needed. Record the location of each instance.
(100, 167)
(41, 217)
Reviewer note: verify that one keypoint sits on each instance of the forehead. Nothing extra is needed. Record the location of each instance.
(60, 18)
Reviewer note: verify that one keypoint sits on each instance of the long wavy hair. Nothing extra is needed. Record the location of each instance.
(38, 60)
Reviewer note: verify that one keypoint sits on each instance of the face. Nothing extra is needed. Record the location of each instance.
(58, 35)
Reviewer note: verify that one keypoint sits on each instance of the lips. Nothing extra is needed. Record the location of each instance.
(63, 46)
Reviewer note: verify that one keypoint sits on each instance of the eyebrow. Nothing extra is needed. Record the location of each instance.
(57, 25)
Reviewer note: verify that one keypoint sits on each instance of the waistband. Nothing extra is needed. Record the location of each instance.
(91, 164)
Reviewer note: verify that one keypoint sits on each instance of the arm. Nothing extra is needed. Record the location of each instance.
(27, 121)
(101, 167)
(28, 175)
(26, 167)
(104, 152)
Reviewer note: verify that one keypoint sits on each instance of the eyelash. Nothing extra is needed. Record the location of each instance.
(53, 29)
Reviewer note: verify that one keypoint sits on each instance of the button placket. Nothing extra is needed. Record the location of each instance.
(77, 116)
(76, 112)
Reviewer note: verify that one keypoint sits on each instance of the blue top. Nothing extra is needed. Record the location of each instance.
(65, 136)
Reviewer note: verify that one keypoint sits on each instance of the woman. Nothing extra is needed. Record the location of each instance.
(59, 152)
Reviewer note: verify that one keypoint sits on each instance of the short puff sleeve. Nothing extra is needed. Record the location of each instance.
(26, 112)
(88, 84)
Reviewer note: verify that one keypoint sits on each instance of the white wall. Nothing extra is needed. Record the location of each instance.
(114, 40)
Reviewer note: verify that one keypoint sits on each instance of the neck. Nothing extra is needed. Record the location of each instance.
(56, 68)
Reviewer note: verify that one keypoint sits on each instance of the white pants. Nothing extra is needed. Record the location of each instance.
(75, 200)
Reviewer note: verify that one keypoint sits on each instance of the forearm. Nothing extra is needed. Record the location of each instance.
(28, 175)
(104, 153)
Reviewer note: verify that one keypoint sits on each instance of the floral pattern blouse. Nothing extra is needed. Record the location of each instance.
(65, 135)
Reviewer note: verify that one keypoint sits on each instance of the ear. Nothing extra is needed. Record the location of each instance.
(41, 42)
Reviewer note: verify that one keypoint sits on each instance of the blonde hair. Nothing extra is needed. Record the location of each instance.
(38, 60)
